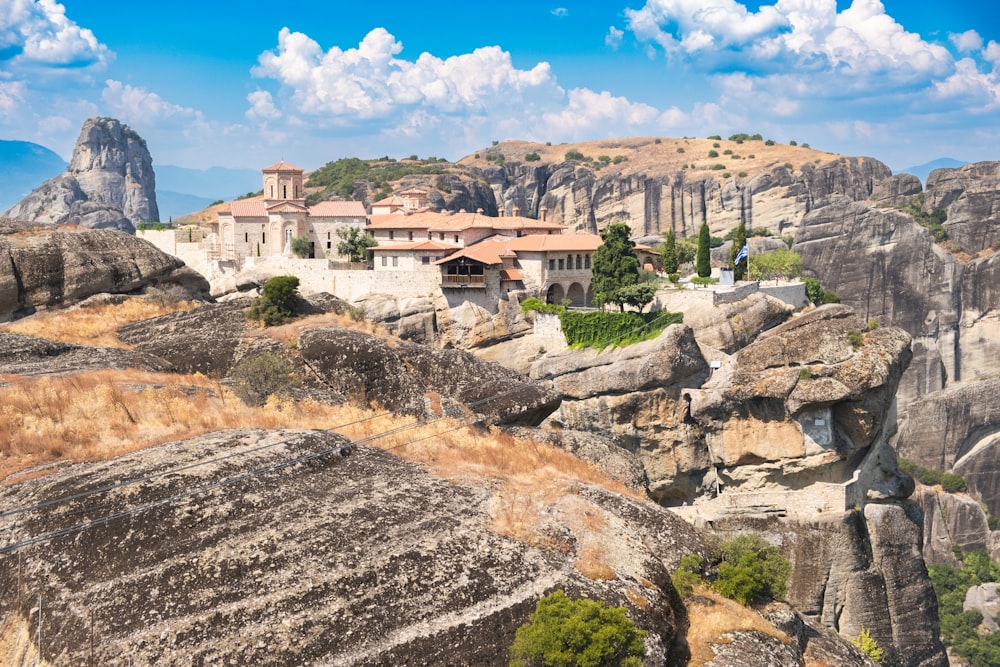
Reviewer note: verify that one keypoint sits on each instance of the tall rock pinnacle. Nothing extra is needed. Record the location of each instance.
(109, 183)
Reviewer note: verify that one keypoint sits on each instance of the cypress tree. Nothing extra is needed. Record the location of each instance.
(671, 261)
(703, 262)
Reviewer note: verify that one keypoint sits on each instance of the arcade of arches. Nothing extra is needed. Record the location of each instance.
(577, 295)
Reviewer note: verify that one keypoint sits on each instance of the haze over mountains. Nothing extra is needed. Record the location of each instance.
(25, 165)
(181, 190)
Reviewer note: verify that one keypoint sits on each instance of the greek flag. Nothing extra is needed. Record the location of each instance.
(744, 251)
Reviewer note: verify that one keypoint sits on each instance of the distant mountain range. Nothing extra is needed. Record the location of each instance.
(179, 190)
(23, 167)
(923, 171)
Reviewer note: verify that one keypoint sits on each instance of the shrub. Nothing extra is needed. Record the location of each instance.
(780, 263)
(534, 304)
(658, 141)
(674, 277)
(717, 137)
(952, 483)
(257, 377)
(855, 338)
(869, 646)
(277, 302)
(687, 575)
(751, 569)
(718, 167)
(769, 142)
(580, 633)
(300, 246)
(819, 295)
(618, 159)
(575, 155)
(713, 153)
(805, 373)
(704, 280)
(532, 157)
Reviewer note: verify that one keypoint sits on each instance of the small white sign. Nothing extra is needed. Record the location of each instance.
(820, 422)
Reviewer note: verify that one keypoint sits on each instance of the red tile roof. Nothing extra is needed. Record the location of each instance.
(338, 209)
(488, 251)
(431, 220)
(418, 245)
(282, 166)
(249, 208)
(510, 274)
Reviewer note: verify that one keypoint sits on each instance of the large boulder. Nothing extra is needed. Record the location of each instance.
(286, 548)
(400, 375)
(42, 268)
(109, 183)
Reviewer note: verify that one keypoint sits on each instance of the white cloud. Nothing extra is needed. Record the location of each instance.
(969, 83)
(262, 106)
(614, 37)
(370, 82)
(862, 42)
(11, 95)
(139, 107)
(992, 53)
(589, 112)
(38, 32)
(560, 12)
(967, 41)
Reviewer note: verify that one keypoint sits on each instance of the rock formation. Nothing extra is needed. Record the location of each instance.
(285, 548)
(41, 268)
(109, 183)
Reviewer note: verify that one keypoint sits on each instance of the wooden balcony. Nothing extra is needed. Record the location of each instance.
(460, 281)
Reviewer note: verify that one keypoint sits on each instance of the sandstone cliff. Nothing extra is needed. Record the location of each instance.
(41, 268)
(109, 183)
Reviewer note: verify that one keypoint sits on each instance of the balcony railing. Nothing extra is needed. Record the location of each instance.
(457, 280)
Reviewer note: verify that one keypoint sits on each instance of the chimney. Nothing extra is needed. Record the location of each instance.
(544, 211)
(517, 211)
(502, 211)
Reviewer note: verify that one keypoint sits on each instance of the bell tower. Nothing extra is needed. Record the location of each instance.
(283, 182)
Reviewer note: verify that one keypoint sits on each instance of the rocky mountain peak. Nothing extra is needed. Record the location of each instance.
(109, 183)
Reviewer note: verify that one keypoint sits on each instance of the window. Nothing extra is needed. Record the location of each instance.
(392, 234)
(246, 237)
(385, 261)
(395, 260)
(562, 264)
(284, 192)
(586, 261)
(552, 265)
(263, 237)
(328, 236)
(456, 238)
(329, 245)
(272, 192)
(441, 235)
(425, 260)
(410, 234)
(579, 262)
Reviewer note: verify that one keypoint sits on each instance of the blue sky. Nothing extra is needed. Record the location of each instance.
(244, 85)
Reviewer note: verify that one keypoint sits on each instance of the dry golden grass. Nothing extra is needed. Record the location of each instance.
(670, 155)
(289, 333)
(711, 616)
(92, 324)
(97, 415)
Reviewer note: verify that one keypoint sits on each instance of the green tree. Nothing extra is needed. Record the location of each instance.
(301, 246)
(669, 256)
(355, 243)
(818, 294)
(751, 569)
(703, 262)
(638, 296)
(259, 376)
(780, 263)
(614, 266)
(277, 302)
(739, 240)
(577, 633)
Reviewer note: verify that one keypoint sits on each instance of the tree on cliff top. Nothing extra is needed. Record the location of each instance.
(669, 255)
(355, 243)
(615, 266)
